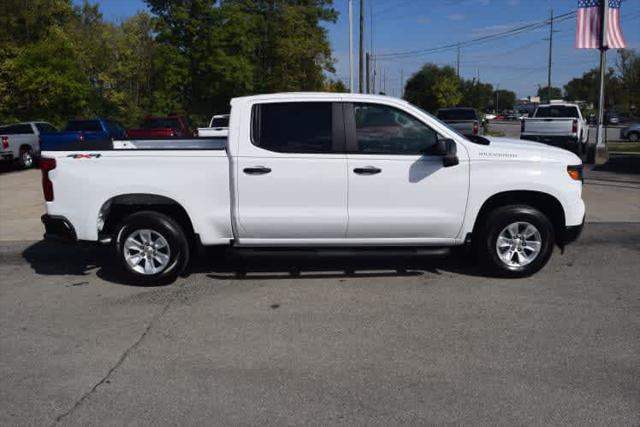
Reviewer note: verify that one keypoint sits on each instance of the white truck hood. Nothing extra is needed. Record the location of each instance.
(518, 149)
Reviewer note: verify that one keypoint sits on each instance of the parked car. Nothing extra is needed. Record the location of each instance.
(88, 133)
(218, 126)
(632, 132)
(390, 176)
(612, 118)
(463, 119)
(21, 142)
(559, 124)
(163, 127)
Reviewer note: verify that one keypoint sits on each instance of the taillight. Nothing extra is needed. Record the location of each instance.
(5, 142)
(574, 127)
(475, 128)
(47, 165)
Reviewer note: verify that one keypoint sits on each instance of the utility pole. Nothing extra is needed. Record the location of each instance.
(601, 153)
(458, 61)
(401, 82)
(384, 73)
(368, 79)
(361, 53)
(351, 86)
(550, 56)
(497, 98)
(375, 74)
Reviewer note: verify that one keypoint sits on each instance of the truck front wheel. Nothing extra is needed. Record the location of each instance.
(151, 248)
(516, 241)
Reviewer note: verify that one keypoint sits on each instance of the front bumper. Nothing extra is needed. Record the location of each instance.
(572, 233)
(58, 228)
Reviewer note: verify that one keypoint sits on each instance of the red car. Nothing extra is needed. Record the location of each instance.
(162, 127)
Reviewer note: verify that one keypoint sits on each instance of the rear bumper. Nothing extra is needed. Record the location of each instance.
(58, 228)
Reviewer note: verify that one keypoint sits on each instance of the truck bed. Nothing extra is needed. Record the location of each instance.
(196, 176)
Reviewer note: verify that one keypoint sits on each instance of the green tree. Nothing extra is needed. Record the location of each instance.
(628, 66)
(543, 93)
(477, 94)
(420, 88)
(447, 90)
(503, 99)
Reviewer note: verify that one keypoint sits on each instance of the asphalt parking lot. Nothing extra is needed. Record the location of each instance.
(310, 340)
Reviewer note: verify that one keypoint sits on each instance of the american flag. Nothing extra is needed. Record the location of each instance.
(588, 31)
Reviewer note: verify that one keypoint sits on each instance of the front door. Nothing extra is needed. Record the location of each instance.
(397, 190)
(292, 177)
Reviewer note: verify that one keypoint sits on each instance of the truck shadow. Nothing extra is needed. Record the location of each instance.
(48, 258)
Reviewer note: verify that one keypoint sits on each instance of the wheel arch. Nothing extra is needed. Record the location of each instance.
(546, 203)
(114, 210)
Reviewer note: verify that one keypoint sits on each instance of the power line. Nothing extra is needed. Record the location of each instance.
(478, 40)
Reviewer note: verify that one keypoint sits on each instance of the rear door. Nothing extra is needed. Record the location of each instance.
(292, 174)
(398, 191)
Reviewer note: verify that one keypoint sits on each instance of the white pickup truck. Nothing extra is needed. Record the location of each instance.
(557, 124)
(318, 170)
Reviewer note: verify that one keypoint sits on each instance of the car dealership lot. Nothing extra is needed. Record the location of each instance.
(323, 340)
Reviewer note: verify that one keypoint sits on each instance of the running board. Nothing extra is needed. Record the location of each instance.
(345, 252)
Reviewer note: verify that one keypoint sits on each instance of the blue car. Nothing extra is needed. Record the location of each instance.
(89, 134)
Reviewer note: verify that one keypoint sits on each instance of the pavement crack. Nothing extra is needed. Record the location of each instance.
(119, 362)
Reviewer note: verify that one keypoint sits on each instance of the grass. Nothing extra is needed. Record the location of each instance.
(628, 147)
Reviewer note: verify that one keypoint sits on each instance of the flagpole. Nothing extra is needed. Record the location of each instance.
(601, 153)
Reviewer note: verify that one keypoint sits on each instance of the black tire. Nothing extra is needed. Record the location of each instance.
(494, 225)
(174, 237)
(634, 136)
(26, 158)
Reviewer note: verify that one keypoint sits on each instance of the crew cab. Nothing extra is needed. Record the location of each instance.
(162, 127)
(20, 142)
(84, 133)
(557, 124)
(463, 119)
(318, 170)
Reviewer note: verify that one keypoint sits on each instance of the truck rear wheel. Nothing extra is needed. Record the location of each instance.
(152, 248)
(517, 241)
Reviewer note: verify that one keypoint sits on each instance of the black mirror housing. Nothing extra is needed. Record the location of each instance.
(450, 157)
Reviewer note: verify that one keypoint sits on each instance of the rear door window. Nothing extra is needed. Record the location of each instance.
(293, 127)
(45, 128)
(84, 126)
(161, 123)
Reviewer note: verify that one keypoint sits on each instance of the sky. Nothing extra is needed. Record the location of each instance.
(518, 63)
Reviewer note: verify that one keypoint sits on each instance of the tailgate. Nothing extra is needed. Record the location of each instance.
(548, 126)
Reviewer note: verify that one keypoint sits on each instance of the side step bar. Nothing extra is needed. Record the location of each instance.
(345, 252)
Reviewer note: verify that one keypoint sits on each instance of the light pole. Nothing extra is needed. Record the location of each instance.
(351, 46)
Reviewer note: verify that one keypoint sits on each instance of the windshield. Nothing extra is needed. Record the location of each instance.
(457, 114)
(557, 111)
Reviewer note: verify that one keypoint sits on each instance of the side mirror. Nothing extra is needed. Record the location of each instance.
(450, 155)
